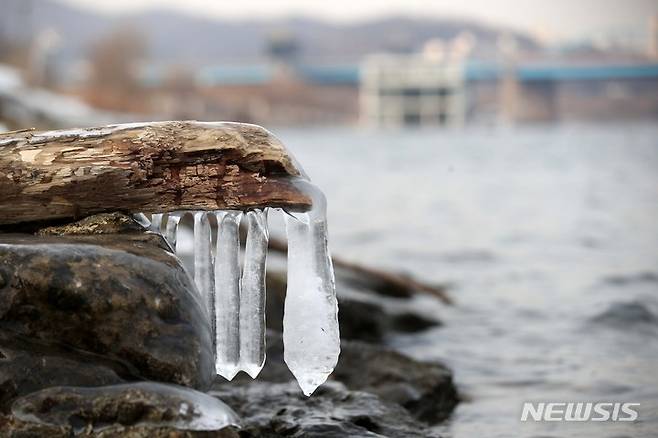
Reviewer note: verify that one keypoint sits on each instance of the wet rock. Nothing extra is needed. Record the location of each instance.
(12, 427)
(129, 410)
(123, 298)
(165, 432)
(372, 322)
(359, 319)
(28, 366)
(625, 315)
(374, 284)
(411, 322)
(363, 321)
(109, 308)
(626, 280)
(425, 390)
(273, 410)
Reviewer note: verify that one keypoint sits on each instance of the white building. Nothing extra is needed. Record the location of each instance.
(424, 89)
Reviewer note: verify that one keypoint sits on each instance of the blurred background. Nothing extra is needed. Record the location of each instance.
(296, 63)
(507, 148)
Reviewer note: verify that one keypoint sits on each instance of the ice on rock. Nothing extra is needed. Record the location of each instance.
(310, 323)
(252, 295)
(227, 294)
(190, 410)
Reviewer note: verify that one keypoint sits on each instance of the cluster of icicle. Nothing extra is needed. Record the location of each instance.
(235, 297)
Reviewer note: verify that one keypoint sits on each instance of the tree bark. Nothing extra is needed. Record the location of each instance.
(147, 168)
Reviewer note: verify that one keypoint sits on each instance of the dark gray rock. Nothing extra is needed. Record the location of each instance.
(375, 285)
(637, 278)
(123, 298)
(627, 315)
(81, 307)
(11, 427)
(275, 410)
(27, 366)
(425, 390)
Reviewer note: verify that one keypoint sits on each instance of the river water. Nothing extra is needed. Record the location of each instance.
(548, 236)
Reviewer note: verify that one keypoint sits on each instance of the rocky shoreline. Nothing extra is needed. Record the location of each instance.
(93, 314)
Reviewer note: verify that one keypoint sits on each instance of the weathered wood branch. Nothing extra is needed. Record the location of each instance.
(150, 167)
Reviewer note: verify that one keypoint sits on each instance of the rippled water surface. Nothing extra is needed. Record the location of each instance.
(549, 236)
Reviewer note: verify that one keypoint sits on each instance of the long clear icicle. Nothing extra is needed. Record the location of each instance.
(235, 298)
(156, 222)
(172, 227)
(203, 275)
(252, 295)
(310, 323)
(227, 294)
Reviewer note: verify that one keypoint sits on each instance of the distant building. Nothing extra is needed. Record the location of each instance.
(424, 90)
(407, 90)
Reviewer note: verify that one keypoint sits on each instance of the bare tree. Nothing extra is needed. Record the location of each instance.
(114, 81)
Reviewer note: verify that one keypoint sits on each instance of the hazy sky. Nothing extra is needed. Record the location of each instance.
(552, 19)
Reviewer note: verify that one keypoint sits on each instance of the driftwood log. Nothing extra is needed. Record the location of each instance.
(146, 168)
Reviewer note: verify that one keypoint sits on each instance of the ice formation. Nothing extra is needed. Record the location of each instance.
(252, 295)
(235, 296)
(311, 341)
(227, 294)
(203, 273)
(195, 411)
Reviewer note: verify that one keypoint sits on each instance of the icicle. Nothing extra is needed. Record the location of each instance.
(203, 276)
(252, 295)
(156, 222)
(141, 219)
(184, 246)
(227, 293)
(235, 298)
(310, 323)
(172, 226)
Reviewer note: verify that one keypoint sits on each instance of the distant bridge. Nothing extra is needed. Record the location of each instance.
(348, 74)
(564, 72)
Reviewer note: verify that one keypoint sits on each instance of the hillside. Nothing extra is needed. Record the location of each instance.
(173, 36)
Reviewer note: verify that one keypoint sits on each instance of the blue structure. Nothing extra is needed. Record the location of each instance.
(348, 74)
(587, 72)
